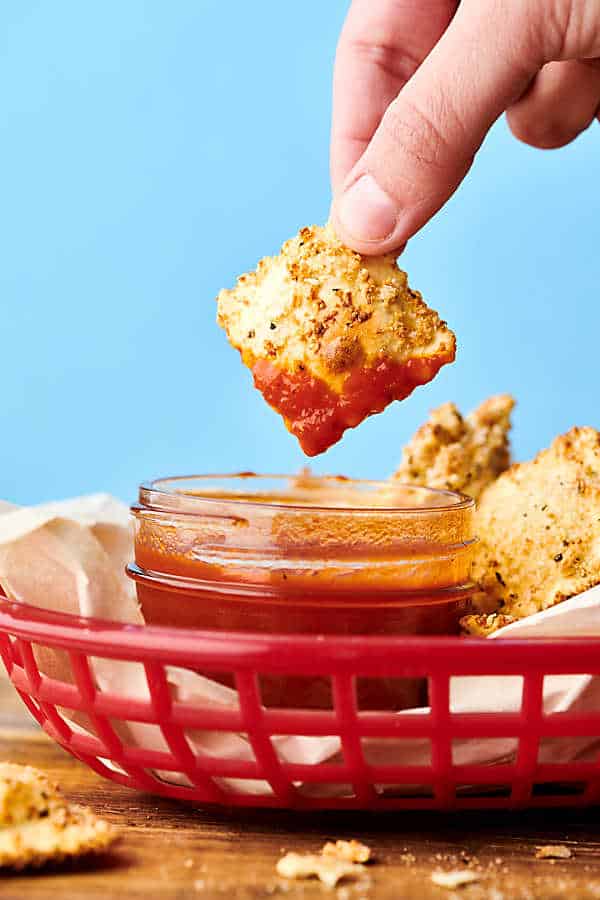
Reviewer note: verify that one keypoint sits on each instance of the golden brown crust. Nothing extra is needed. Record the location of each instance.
(539, 527)
(328, 869)
(37, 825)
(320, 308)
(484, 625)
(350, 851)
(459, 453)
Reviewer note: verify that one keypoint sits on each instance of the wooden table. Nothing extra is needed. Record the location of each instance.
(169, 851)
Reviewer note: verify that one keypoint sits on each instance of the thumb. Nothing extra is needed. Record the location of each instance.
(427, 138)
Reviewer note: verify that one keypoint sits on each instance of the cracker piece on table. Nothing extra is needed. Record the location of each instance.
(38, 825)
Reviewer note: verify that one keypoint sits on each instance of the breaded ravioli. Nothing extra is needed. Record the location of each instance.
(330, 336)
(37, 824)
(539, 530)
(460, 453)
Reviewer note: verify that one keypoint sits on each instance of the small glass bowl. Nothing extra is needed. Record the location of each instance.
(303, 555)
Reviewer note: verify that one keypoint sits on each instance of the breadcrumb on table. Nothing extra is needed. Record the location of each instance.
(455, 879)
(351, 851)
(553, 851)
(328, 869)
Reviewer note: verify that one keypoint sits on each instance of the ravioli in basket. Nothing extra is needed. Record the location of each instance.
(539, 531)
(331, 336)
(453, 452)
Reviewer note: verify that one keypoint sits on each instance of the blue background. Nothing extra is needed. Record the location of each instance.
(149, 153)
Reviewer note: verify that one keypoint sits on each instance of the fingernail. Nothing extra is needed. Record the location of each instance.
(366, 212)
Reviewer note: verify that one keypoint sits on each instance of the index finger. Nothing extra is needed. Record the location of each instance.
(381, 45)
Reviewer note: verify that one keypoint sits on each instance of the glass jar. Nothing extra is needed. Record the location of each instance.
(302, 555)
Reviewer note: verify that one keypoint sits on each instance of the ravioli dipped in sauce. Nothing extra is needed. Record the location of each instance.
(331, 336)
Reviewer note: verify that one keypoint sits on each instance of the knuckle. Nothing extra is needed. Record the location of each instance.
(582, 30)
(525, 27)
(431, 136)
(549, 23)
(391, 60)
(570, 28)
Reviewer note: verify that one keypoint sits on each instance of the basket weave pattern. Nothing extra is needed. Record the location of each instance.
(519, 780)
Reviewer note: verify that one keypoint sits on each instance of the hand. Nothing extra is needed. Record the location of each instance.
(419, 83)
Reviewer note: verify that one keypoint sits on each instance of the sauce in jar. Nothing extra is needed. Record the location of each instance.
(302, 555)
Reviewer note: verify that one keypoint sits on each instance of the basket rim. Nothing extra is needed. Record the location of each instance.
(264, 652)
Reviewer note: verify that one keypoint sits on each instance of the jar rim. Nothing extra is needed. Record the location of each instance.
(194, 494)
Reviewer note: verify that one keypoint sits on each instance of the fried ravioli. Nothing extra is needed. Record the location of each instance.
(330, 336)
(460, 453)
(539, 530)
(37, 825)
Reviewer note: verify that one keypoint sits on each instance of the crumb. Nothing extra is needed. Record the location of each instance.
(350, 851)
(327, 869)
(553, 851)
(456, 879)
(188, 863)
(480, 625)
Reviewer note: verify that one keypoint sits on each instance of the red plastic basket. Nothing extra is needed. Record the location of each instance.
(441, 784)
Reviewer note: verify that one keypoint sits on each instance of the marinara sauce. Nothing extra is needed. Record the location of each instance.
(318, 416)
(303, 555)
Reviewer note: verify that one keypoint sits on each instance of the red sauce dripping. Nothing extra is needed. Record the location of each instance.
(318, 416)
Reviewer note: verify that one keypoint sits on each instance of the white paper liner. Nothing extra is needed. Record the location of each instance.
(70, 557)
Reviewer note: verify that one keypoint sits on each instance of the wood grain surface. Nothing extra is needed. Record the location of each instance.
(168, 850)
